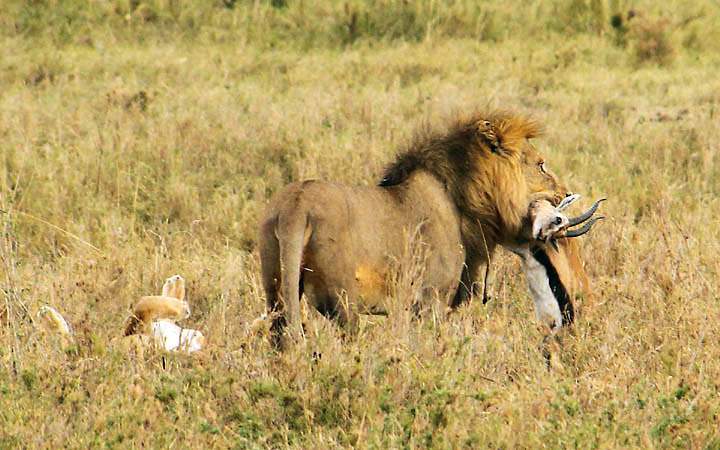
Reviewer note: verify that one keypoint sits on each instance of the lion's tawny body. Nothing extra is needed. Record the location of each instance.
(170, 305)
(154, 307)
(321, 235)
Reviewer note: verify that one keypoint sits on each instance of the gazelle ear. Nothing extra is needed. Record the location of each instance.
(567, 201)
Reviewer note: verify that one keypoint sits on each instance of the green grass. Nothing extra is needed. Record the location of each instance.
(143, 139)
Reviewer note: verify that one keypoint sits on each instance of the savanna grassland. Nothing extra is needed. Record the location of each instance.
(143, 139)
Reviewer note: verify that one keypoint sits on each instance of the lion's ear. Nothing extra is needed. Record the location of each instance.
(490, 136)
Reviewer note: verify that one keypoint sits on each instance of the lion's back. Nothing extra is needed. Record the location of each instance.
(304, 196)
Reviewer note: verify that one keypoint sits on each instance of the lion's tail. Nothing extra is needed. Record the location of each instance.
(293, 234)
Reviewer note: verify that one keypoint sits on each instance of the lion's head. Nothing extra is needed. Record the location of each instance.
(489, 167)
(539, 175)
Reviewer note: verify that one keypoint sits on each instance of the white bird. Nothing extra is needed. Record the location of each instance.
(53, 321)
(172, 337)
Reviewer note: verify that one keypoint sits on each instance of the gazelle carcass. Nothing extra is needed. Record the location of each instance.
(551, 263)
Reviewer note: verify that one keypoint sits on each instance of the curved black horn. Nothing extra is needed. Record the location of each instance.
(586, 215)
(584, 229)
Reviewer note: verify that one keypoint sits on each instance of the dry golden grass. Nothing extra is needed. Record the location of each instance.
(124, 161)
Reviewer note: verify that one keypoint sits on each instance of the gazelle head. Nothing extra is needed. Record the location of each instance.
(549, 223)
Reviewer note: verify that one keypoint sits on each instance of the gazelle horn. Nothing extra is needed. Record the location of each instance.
(586, 215)
(584, 229)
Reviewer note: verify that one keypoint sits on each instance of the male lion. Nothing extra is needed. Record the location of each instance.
(462, 192)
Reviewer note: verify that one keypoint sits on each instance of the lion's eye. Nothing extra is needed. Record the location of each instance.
(542, 167)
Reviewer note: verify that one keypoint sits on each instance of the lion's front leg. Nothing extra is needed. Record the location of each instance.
(489, 281)
(345, 313)
(464, 289)
(476, 278)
